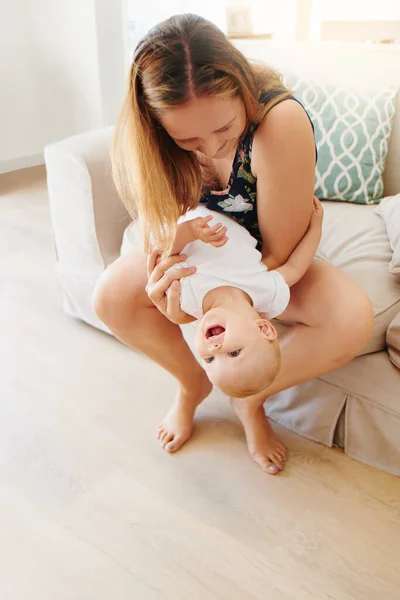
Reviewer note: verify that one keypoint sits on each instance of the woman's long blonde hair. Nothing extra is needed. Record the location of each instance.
(180, 58)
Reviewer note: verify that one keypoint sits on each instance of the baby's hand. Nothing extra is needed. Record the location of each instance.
(216, 236)
(317, 214)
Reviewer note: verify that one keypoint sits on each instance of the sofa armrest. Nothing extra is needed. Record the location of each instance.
(393, 340)
(87, 215)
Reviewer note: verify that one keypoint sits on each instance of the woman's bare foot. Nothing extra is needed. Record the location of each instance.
(264, 447)
(177, 426)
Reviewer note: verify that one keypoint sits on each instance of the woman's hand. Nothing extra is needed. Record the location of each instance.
(216, 235)
(160, 282)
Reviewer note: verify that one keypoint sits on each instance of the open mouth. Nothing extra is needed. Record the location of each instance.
(214, 331)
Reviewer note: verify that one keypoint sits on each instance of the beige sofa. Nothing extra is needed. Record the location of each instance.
(357, 407)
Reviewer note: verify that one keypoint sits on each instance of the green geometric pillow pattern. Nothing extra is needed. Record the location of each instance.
(352, 131)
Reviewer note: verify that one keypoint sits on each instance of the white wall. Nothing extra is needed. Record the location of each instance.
(17, 115)
(62, 72)
(113, 55)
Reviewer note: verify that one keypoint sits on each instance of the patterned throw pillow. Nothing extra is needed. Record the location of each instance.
(352, 131)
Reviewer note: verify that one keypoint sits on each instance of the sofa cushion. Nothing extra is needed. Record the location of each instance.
(352, 131)
(354, 239)
(389, 210)
(393, 340)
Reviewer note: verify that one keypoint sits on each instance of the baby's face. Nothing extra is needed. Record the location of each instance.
(232, 346)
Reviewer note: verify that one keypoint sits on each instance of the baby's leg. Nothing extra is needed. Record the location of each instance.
(264, 446)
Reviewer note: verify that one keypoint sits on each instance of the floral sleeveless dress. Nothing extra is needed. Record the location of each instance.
(239, 199)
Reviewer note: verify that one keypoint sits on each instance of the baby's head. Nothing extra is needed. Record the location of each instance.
(239, 351)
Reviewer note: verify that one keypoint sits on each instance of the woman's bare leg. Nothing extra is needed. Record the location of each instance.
(333, 323)
(121, 302)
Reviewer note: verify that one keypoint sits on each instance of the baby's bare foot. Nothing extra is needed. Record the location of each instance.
(264, 447)
(177, 426)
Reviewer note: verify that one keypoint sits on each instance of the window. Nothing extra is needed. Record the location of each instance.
(347, 20)
(276, 18)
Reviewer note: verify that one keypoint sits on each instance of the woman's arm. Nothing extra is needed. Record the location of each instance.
(284, 163)
(184, 236)
(301, 258)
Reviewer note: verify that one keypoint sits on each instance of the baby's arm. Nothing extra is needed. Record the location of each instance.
(198, 229)
(184, 235)
(301, 258)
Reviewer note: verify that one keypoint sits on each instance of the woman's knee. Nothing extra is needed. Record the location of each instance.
(350, 319)
(355, 323)
(120, 290)
(329, 299)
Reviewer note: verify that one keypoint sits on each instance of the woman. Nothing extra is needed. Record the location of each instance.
(200, 121)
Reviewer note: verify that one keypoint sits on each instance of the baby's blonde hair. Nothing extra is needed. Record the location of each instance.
(181, 58)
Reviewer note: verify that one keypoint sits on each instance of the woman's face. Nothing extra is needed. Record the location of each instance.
(208, 125)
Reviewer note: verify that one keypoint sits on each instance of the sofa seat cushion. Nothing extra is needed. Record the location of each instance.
(355, 240)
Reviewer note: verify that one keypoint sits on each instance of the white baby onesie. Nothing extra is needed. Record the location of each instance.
(237, 264)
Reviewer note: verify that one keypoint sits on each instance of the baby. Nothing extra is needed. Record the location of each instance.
(234, 296)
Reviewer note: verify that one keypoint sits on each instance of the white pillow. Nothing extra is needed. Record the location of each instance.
(389, 210)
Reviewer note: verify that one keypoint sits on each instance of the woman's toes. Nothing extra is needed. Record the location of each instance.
(276, 462)
(167, 439)
(266, 465)
(163, 435)
(175, 444)
(283, 457)
(272, 469)
(283, 452)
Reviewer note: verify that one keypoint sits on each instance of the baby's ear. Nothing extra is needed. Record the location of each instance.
(267, 329)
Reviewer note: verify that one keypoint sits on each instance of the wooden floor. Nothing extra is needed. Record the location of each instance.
(92, 509)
